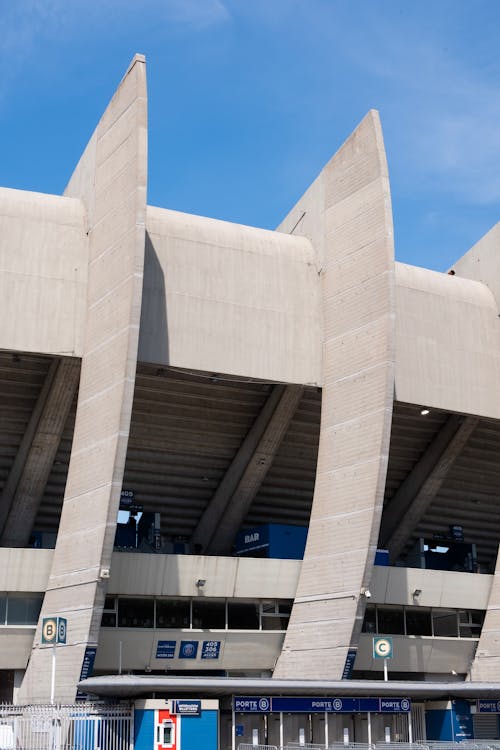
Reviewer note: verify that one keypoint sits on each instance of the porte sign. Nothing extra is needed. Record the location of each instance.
(382, 648)
(54, 630)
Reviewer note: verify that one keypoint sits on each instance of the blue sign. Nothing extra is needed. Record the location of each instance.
(240, 730)
(210, 650)
(394, 705)
(254, 704)
(188, 650)
(165, 649)
(86, 670)
(487, 706)
(349, 664)
(187, 708)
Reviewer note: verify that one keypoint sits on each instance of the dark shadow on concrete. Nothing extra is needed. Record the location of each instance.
(153, 331)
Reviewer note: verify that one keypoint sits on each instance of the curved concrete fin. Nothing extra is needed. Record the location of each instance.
(347, 215)
(111, 181)
(482, 263)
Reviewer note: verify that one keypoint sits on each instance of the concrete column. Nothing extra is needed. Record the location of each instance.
(111, 181)
(482, 263)
(346, 214)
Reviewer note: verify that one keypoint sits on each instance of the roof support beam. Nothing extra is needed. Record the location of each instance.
(25, 485)
(223, 516)
(410, 503)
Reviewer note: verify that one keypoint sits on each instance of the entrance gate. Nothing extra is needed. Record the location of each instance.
(323, 722)
(76, 727)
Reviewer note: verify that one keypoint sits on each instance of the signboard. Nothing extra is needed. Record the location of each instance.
(86, 670)
(252, 704)
(165, 649)
(382, 648)
(349, 664)
(489, 706)
(54, 630)
(188, 650)
(186, 707)
(256, 704)
(210, 650)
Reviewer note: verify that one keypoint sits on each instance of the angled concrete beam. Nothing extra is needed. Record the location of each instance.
(416, 496)
(238, 501)
(16, 471)
(398, 505)
(214, 511)
(25, 485)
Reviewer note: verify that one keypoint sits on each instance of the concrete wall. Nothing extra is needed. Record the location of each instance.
(419, 654)
(43, 272)
(350, 223)
(447, 342)
(176, 575)
(242, 651)
(227, 298)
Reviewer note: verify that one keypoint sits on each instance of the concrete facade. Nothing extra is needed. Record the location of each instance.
(233, 377)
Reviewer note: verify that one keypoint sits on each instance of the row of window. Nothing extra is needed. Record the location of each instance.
(197, 614)
(20, 609)
(434, 621)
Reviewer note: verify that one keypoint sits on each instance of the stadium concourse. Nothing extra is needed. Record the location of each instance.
(250, 464)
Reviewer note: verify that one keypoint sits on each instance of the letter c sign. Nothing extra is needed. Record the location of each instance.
(382, 648)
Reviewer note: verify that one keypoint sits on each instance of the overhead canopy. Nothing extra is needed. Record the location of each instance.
(130, 686)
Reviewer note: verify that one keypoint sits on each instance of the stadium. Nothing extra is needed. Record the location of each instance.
(235, 460)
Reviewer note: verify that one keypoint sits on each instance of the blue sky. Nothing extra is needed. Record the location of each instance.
(248, 99)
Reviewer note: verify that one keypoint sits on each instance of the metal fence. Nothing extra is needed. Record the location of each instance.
(75, 727)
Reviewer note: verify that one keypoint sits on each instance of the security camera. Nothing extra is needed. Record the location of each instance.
(366, 593)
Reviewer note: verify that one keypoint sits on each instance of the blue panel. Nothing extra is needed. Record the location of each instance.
(144, 722)
(278, 540)
(438, 725)
(200, 731)
(462, 721)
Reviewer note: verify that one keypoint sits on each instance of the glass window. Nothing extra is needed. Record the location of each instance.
(108, 620)
(3, 608)
(135, 613)
(23, 609)
(370, 621)
(444, 623)
(275, 614)
(209, 614)
(390, 621)
(173, 613)
(418, 622)
(470, 623)
(243, 615)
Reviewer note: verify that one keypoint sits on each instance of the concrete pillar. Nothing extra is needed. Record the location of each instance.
(346, 214)
(111, 181)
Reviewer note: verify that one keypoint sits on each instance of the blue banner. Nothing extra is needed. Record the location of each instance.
(187, 708)
(188, 650)
(210, 650)
(86, 670)
(487, 706)
(255, 704)
(349, 664)
(252, 704)
(165, 649)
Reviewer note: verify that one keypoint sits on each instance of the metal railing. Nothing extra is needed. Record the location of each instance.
(75, 727)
